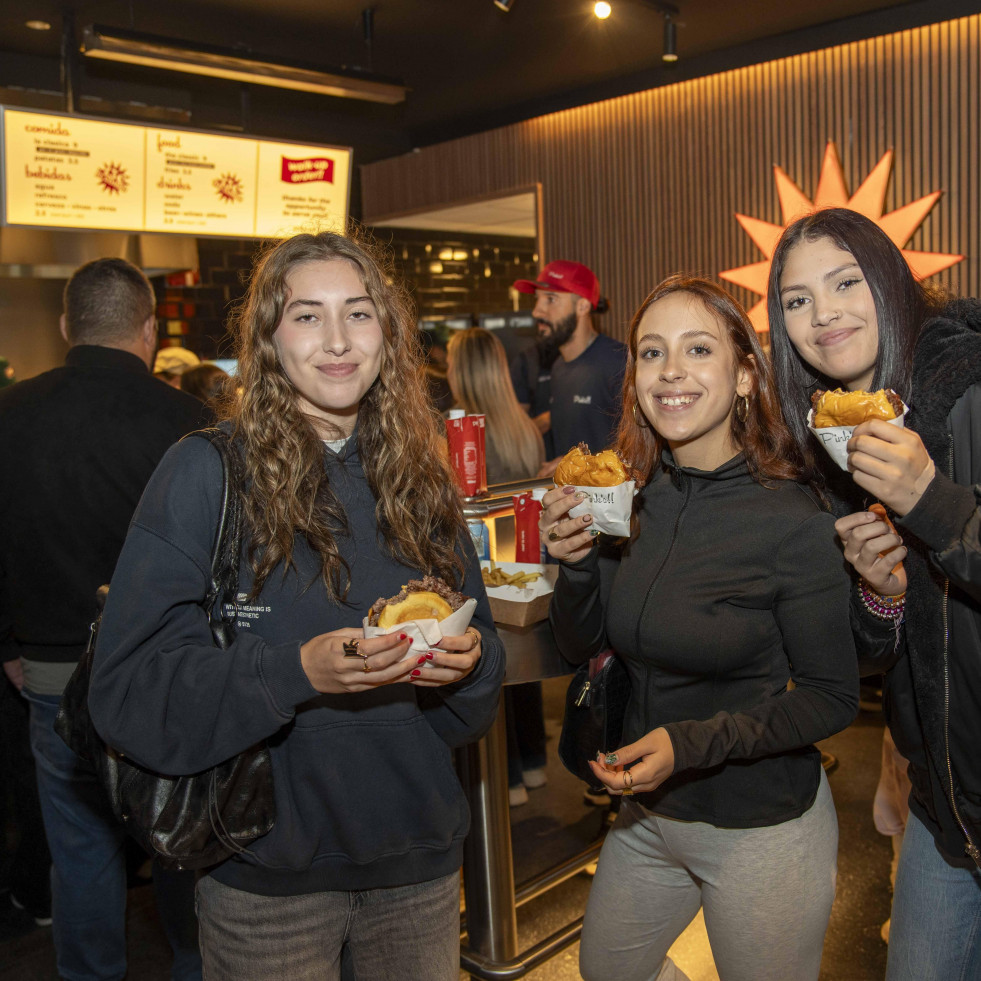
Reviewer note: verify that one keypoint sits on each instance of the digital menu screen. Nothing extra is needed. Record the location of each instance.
(67, 172)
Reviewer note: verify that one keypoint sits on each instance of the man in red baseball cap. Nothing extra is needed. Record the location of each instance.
(587, 377)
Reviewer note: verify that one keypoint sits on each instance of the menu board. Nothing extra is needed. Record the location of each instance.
(72, 173)
(200, 184)
(61, 171)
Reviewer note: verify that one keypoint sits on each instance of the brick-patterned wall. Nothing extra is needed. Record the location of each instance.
(476, 282)
(193, 308)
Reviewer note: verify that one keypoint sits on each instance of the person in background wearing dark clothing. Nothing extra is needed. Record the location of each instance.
(346, 498)
(78, 444)
(205, 382)
(587, 375)
(531, 378)
(739, 654)
(846, 311)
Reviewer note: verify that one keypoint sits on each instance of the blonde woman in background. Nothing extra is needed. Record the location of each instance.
(477, 370)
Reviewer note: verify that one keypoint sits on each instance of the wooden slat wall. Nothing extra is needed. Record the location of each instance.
(645, 185)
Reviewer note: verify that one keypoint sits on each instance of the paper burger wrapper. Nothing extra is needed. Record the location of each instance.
(610, 507)
(426, 634)
(835, 438)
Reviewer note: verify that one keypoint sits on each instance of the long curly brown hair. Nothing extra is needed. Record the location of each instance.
(762, 435)
(400, 435)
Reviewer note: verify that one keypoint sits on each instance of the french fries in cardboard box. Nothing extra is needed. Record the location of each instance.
(524, 599)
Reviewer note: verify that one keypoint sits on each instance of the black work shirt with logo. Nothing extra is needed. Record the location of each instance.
(587, 396)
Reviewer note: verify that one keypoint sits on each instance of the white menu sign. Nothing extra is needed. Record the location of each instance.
(66, 172)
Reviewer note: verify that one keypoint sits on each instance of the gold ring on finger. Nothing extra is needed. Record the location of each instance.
(553, 536)
(352, 648)
(367, 666)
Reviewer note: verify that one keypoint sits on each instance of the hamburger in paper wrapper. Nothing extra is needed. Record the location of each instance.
(607, 484)
(835, 414)
(426, 610)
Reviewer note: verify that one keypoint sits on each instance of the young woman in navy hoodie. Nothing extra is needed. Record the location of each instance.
(730, 588)
(347, 496)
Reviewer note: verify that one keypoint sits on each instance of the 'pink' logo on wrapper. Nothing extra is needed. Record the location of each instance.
(308, 169)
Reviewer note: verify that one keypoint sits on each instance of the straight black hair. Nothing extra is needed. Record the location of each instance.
(902, 305)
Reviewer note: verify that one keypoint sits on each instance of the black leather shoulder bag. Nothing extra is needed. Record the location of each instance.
(194, 821)
(595, 705)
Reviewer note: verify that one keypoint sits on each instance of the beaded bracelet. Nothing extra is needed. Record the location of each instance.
(883, 607)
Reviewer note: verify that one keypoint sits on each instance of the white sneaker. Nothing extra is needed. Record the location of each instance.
(533, 779)
(517, 795)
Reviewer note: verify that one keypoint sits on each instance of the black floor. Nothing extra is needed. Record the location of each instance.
(554, 825)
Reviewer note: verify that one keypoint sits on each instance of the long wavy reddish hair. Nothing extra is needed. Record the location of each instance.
(763, 436)
(401, 438)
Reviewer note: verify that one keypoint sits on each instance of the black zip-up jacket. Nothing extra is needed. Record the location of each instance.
(729, 591)
(932, 694)
(77, 446)
(366, 794)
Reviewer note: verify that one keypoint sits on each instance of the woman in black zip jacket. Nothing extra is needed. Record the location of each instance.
(347, 496)
(845, 311)
(730, 588)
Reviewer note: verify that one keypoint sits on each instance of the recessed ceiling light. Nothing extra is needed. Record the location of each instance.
(38, 25)
(602, 10)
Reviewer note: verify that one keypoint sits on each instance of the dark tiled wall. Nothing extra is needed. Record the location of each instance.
(200, 302)
(477, 283)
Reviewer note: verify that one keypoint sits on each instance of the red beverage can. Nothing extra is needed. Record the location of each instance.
(466, 438)
(527, 546)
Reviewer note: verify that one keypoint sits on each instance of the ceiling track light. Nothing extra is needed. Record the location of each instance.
(504, 5)
(181, 56)
(669, 11)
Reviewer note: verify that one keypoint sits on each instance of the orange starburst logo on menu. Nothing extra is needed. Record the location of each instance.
(113, 178)
(868, 200)
(229, 188)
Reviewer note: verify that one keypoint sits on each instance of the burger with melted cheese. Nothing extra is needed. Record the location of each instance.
(581, 468)
(841, 408)
(429, 598)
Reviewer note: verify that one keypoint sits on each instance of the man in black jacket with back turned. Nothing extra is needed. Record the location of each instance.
(78, 445)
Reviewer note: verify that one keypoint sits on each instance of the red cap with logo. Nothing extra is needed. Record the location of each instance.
(564, 276)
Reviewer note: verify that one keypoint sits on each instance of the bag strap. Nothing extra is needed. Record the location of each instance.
(226, 548)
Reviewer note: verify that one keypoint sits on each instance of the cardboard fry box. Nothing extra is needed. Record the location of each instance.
(516, 607)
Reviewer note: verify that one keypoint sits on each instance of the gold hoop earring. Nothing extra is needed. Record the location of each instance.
(637, 422)
(742, 408)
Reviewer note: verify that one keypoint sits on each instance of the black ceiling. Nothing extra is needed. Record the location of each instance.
(469, 65)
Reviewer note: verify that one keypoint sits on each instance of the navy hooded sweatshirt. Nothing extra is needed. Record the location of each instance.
(366, 794)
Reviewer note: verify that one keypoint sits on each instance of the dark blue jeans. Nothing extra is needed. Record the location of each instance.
(88, 870)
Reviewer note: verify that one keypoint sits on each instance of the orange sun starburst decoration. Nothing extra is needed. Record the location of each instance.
(868, 200)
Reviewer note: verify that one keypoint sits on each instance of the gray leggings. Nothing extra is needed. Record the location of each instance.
(766, 892)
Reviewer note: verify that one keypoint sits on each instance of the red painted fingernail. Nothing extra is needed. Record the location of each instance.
(403, 636)
(428, 657)
(422, 660)
(416, 673)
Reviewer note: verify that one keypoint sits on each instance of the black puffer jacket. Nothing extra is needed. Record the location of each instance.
(933, 694)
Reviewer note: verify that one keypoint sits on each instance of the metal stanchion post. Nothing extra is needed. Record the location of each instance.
(488, 874)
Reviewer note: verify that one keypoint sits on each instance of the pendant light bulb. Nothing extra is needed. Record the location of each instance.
(602, 9)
